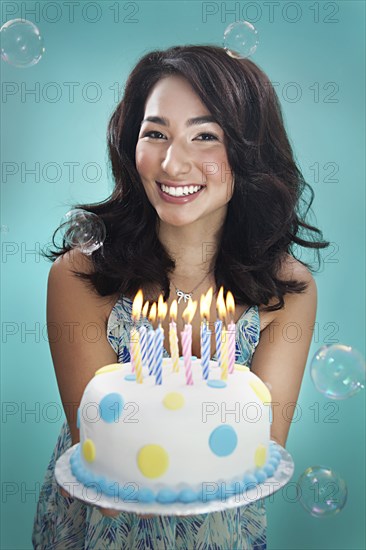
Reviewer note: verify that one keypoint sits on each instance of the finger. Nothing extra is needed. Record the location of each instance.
(109, 512)
(64, 493)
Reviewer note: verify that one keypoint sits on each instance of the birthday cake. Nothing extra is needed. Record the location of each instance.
(173, 442)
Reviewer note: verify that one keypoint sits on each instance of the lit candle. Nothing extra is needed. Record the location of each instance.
(224, 352)
(186, 335)
(218, 326)
(143, 344)
(205, 304)
(143, 336)
(224, 342)
(159, 341)
(173, 337)
(135, 350)
(230, 306)
(151, 341)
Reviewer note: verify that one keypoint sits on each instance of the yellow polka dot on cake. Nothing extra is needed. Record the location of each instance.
(108, 368)
(261, 390)
(89, 450)
(152, 460)
(260, 456)
(173, 401)
(241, 368)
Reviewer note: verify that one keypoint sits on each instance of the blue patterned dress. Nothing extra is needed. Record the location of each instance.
(63, 523)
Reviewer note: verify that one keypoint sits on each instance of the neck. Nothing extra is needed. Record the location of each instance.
(193, 249)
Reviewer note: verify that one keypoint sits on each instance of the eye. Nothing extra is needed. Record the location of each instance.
(149, 134)
(214, 138)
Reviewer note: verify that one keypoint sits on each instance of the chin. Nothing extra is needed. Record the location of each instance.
(177, 221)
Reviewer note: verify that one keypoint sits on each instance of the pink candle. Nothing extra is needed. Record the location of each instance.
(186, 335)
(187, 352)
(173, 337)
(230, 306)
(231, 332)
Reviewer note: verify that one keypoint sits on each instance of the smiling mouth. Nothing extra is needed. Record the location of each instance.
(181, 191)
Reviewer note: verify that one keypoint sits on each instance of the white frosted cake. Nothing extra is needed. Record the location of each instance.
(173, 442)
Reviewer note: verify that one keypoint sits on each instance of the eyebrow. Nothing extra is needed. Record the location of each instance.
(190, 122)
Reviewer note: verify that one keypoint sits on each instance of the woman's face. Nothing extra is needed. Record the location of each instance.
(183, 165)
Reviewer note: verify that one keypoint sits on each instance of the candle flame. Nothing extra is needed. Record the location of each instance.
(220, 295)
(145, 309)
(220, 304)
(162, 308)
(230, 303)
(209, 296)
(137, 305)
(205, 304)
(190, 310)
(173, 310)
(152, 314)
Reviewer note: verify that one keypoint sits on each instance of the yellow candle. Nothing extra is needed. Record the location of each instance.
(135, 340)
(136, 351)
(224, 335)
(224, 354)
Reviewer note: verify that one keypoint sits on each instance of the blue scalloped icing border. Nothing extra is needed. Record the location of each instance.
(131, 492)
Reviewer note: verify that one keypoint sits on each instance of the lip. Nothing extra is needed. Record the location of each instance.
(177, 200)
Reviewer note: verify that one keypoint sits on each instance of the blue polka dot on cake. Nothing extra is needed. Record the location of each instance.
(110, 407)
(223, 440)
(216, 383)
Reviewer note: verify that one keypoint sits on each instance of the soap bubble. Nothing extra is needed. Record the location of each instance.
(83, 230)
(21, 43)
(338, 371)
(240, 39)
(323, 492)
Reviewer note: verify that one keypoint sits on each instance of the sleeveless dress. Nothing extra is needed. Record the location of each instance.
(63, 523)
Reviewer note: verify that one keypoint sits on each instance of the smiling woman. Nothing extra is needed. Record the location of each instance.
(175, 163)
(207, 194)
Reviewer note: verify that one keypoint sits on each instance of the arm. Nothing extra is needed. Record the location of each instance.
(80, 315)
(281, 355)
(76, 322)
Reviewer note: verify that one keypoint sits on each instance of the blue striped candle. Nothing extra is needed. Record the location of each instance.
(143, 344)
(205, 349)
(218, 333)
(159, 341)
(151, 350)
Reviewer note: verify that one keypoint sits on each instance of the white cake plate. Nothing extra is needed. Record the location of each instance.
(90, 495)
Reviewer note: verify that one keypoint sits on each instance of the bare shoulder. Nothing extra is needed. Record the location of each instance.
(294, 270)
(63, 278)
(74, 260)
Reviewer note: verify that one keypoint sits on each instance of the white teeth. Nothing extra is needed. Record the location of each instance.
(181, 191)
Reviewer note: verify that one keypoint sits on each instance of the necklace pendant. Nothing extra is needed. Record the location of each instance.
(183, 295)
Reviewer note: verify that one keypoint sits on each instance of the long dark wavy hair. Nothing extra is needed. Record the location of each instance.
(264, 220)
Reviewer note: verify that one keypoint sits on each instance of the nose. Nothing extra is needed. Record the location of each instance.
(176, 161)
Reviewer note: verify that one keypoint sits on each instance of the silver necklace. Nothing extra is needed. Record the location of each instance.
(187, 295)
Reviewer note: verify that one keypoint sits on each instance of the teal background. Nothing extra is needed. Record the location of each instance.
(309, 53)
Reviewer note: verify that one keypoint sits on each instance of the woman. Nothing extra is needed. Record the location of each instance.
(207, 194)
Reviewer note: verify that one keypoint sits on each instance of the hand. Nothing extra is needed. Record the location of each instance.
(109, 512)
